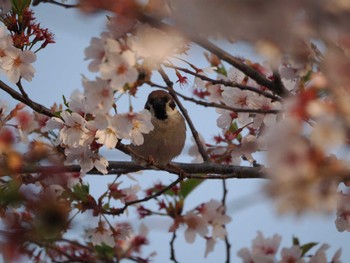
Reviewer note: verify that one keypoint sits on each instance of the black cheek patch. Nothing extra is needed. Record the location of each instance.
(172, 105)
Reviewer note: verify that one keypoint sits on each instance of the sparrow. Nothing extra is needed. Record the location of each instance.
(167, 139)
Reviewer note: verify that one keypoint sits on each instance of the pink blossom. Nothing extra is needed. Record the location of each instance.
(119, 69)
(109, 135)
(265, 248)
(99, 96)
(133, 124)
(320, 255)
(292, 254)
(214, 214)
(130, 194)
(17, 64)
(153, 45)
(86, 159)
(74, 132)
(101, 235)
(195, 225)
(343, 213)
(209, 246)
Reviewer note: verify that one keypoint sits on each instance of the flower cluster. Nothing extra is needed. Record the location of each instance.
(207, 220)
(14, 62)
(121, 239)
(16, 55)
(299, 134)
(119, 57)
(265, 250)
(210, 214)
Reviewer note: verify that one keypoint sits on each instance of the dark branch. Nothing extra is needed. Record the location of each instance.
(227, 241)
(226, 83)
(220, 53)
(35, 106)
(191, 170)
(36, 2)
(172, 248)
(119, 211)
(183, 110)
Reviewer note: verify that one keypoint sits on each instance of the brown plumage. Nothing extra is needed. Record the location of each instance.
(167, 139)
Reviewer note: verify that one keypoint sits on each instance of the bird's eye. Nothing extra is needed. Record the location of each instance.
(165, 99)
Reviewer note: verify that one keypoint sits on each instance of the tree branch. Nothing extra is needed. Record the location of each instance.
(36, 2)
(191, 170)
(225, 82)
(119, 211)
(220, 53)
(172, 248)
(195, 135)
(227, 241)
(35, 106)
(213, 104)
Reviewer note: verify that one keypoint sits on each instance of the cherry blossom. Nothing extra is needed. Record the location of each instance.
(195, 225)
(199, 83)
(17, 64)
(238, 99)
(120, 25)
(95, 52)
(209, 246)
(263, 249)
(292, 254)
(74, 133)
(133, 124)
(26, 124)
(101, 235)
(342, 221)
(154, 45)
(129, 194)
(225, 119)
(108, 136)
(214, 214)
(6, 43)
(235, 75)
(261, 102)
(119, 69)
(99, 96)
(86, 159)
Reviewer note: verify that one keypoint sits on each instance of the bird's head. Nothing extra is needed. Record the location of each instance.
(161, 104)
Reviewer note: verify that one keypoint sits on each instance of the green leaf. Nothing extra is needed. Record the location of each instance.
(65, 102)
(188, 186)
(81, 191)
(296, 241)
(19, 5)
(305, 248)
(9, 194)
(104, 251)
(221, 70)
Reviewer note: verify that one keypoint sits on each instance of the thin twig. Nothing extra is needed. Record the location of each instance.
(34, 105)
(226, 83)
(225, 107)
(36, 2)
(213, 104)
(227, 241)
(172, 248)
(154, 195)
(183, 110)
